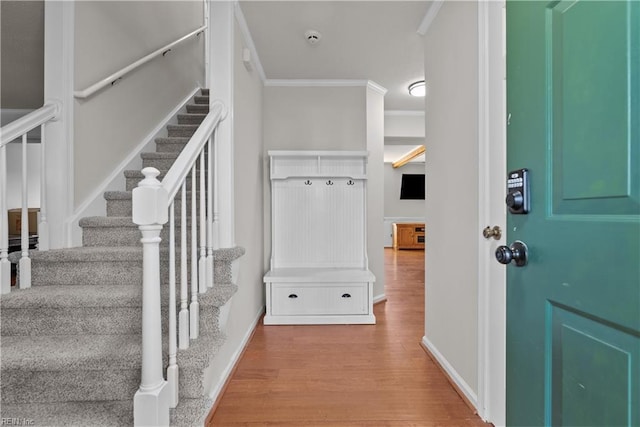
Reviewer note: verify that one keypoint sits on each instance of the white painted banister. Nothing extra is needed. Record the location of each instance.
(182, 166)
(25, 261)
(18, 129)
(152, 400)
(152, 201)
(29, 122)
(114, 77)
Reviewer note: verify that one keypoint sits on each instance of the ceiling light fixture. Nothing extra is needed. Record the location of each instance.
(417, 88)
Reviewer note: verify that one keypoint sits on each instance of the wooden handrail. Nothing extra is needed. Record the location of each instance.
(113, 78)
(408, 157)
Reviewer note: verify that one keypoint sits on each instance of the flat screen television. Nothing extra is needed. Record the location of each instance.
(412, 187)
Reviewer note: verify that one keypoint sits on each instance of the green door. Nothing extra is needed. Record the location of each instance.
(573, 312)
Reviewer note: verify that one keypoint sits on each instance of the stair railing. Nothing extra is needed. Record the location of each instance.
(19, 129)
(154, 203)
(113, 78)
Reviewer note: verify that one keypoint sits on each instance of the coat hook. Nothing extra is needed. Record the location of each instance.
(350, 182)
(307, 182)
(329, 182)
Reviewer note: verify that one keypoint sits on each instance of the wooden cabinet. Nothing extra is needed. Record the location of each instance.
(319, 270)
(408, 236)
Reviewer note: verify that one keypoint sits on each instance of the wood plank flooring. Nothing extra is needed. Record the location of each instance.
(347, 375)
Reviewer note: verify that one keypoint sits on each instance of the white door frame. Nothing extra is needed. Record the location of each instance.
(491, 209)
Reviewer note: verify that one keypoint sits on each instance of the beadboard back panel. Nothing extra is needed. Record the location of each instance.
(318, 222)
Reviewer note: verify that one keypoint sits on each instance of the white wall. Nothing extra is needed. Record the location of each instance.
(328, 118)
(22, 51)
(375, 189)
(451, 268)
(248, 303)
(108, 36)
(14, 175)
(404, 124)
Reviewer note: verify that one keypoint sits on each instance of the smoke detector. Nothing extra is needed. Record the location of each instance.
(312, 36)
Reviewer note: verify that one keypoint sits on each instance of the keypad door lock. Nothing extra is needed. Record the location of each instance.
(518, 194)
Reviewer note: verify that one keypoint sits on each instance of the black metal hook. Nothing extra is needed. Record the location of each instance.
(307, 182)
(350, 182)
(329, 182)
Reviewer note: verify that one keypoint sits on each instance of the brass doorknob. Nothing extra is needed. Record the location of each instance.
(494, 232)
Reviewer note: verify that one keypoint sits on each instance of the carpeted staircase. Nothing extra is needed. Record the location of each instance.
(71, 344)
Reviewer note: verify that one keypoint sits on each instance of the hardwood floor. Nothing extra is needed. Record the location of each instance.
(347, 375)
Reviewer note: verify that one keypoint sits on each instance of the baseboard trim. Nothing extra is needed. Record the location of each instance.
(95, 205)
(379, 298)
(460, 386)
(217, 393)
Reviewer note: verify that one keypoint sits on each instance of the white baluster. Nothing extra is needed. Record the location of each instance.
(172, 370)
(5, 265)
(43, 225)
(202, 264)
(194, 308)
(25, 261)
(216, 183)
(183, 324)
(210, 213)
(151, 401)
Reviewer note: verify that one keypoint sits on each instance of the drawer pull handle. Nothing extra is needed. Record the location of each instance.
(346, 295)
(293, 296)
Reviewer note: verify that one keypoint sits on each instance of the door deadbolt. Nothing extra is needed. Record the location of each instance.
(517, 252)
(494, 232)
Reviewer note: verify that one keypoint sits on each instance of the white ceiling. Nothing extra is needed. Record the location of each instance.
(364, 40)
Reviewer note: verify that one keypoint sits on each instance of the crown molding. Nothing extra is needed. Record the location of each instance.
(325, 83)
(246, 34)
(376, 87)
(431, 14)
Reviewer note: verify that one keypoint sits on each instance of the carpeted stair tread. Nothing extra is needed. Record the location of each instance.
(204, 91)
(191, 412)
(201, 99)
(191, 118)
(162, 156)
(125, 195)
(172, 140)
(228, 254)
(68, 296)
(197, 108)
(117, 195)
(200, 351)
(85, 296)
(88, 254)
(71, 352)
(181, 130)
(76, 414)
(107, 221)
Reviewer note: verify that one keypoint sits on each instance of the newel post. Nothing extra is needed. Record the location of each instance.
(150, 210)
